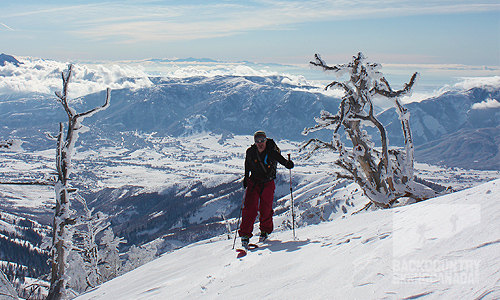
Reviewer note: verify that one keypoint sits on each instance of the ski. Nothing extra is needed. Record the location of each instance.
(243, 252)
(252, 246)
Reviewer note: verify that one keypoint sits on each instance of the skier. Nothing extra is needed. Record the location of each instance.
(260, 171)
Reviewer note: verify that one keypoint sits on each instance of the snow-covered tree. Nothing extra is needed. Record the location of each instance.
(110, 264)
(137, 256)
(384, 174)
(64, 218)
(90, 263)
(88, 226)
(77, 277)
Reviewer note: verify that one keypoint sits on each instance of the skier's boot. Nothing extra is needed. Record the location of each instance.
(245, 240)
(263, 236)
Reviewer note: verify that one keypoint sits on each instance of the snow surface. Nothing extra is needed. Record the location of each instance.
(444, 248)
(179, 162)
(6, 289)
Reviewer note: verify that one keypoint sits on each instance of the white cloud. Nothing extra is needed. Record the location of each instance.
(488, 103)
(488, 83)
(44, 76)
(419, 96)
(484, 82)
(218, 70)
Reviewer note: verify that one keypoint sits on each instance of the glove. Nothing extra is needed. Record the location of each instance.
(245, 182)
(289, 164)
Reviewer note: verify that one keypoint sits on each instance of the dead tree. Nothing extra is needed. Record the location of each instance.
(384, 174)
(64, 217)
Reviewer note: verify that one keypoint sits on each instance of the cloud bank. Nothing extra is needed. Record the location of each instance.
(44, 76)
(218, 70)
(488, 83)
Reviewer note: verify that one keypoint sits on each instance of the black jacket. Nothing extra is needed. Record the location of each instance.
(269, 157)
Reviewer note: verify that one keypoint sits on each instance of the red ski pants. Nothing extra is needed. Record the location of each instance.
(265, 192)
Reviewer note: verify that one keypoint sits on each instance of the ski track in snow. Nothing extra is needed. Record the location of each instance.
(347, 258)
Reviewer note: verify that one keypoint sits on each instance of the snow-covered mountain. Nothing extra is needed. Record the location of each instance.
(21, 258)
(234, 104)
(176, 106)
(466, 148)
(240, 104)
(165, 161)
(5, 58)
(182, 129)
(460, 128)
(150, 130)
(444, 248)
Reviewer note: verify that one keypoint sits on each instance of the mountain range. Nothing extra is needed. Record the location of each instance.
(243, 104)
(456, 129)
(173, 106)
(447, 131)
(165, 161)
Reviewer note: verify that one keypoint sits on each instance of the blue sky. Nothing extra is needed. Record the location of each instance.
(451, 32)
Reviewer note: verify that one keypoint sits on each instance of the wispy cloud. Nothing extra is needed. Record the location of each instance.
(136, 21)
(57, 8)
(6, 26)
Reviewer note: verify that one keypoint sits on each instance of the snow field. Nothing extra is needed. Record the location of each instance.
(349, 258)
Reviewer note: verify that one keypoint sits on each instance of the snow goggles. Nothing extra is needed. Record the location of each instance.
(260, 140)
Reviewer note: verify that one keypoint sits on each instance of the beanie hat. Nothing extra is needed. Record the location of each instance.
(259, 133)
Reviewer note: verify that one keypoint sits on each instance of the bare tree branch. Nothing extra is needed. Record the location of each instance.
(389, 93)
(97, 109)
(28, 182)
(318, 62)
(317, 144)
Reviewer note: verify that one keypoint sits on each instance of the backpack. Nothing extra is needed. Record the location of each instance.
(269, 165)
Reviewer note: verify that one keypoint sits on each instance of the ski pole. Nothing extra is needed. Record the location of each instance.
(291, 199)
(239, 217)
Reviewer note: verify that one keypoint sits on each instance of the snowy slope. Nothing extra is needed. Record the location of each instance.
(161, 186)
(444, 248)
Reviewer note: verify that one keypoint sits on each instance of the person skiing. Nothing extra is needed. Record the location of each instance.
(260, 171)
